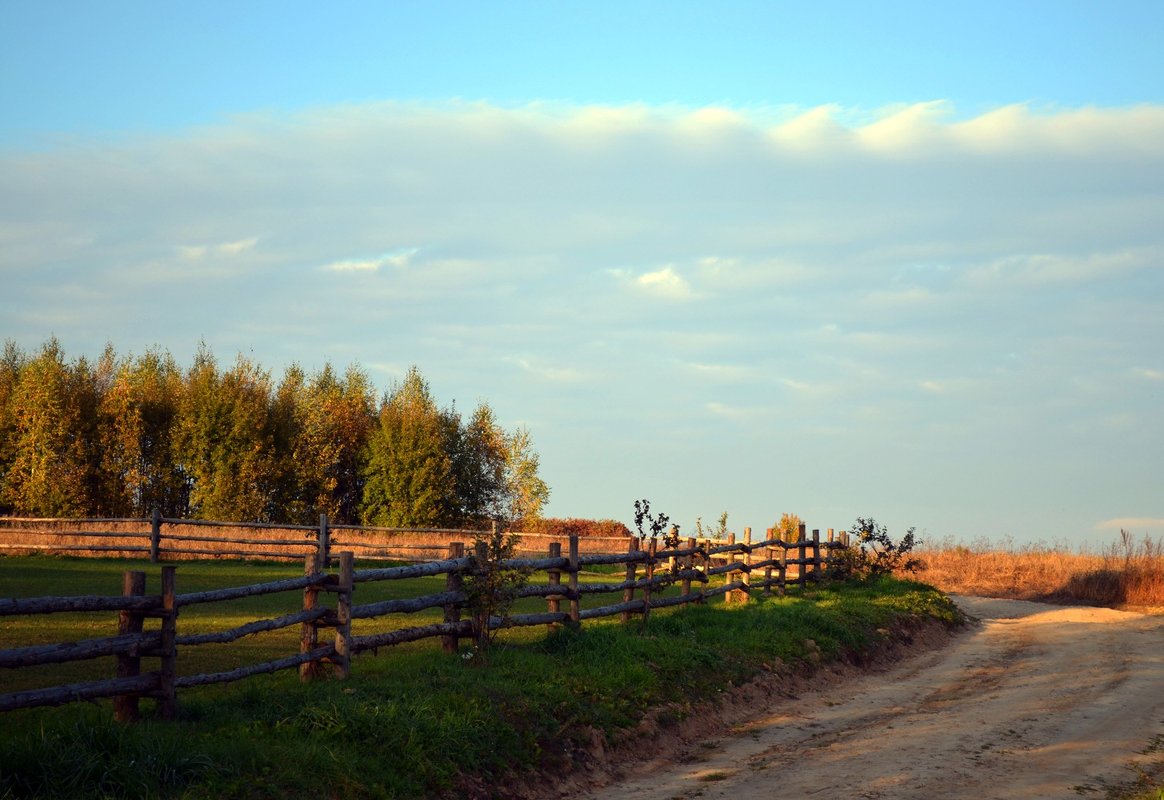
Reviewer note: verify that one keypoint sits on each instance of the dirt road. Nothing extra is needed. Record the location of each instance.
(1036, 701)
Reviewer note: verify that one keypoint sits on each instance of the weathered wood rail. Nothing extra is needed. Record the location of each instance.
(694, 572)
(170, 539)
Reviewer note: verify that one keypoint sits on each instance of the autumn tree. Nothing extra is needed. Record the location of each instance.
(321, 430)
(11, 363)
(121, 436)
(224, 440)
(137, 413)
(479, 450)
(788, 528)
(525, 492)
(409, 478)
(49, 472)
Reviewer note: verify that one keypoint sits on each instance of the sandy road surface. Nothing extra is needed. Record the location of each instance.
(1035, 702)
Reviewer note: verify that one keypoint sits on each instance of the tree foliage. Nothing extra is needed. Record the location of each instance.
(788, 528)
(410, 478)
(47, 472)
(124, 435)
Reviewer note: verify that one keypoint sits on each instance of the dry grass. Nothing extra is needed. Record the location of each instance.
(1128, 573)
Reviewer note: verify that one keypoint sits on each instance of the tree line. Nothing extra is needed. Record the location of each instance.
(122, 435)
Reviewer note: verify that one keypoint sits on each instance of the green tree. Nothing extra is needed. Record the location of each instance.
(409, 474)
(157, 383)
(289, 496)
(525, 492)
(321, 430)
(224, 440)
(11, 364)
(49, 473)
(479, 450)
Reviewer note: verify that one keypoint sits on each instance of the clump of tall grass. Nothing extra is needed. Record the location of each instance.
(1129, 572)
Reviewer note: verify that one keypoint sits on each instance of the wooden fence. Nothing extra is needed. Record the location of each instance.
(167, 539)
(327, 641)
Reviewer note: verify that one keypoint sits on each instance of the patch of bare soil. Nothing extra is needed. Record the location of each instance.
(1032, 701)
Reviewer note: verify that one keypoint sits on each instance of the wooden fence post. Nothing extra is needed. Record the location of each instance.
(688, 566)
(324, 543)
(782, 570)
(309, 632)
(652, 548)
(125, 707)
(729, 576)
(769, 552)
(575, 605)
(706, 564)
(481, 615)
(167, 694)
(554, 601)
(156, 536)
(802, 557)
(453, 583)
(743, 595)
(343, 615)
(816, 554)
(628, 593)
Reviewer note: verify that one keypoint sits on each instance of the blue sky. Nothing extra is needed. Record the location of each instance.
(903, 260)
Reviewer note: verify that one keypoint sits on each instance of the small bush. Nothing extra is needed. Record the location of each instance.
(873, 553)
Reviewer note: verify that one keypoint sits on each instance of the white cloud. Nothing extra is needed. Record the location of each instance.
(667, 283)
(201, 251)
(1149, 374)
(398, 259)
(906, 131)
(365, 265)
(723, 372)
(1046, 268)
(240, 246)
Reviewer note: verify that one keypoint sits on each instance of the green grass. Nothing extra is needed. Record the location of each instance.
(412, 721)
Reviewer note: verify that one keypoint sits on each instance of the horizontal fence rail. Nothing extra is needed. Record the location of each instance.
(693, 568)
(171, 539)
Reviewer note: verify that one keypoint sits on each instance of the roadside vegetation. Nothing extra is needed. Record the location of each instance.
(1129, 572)
(415, 722)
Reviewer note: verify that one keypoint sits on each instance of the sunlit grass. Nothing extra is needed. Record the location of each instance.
(1129, 572)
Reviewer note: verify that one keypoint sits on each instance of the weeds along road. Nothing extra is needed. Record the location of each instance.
(1036, 701)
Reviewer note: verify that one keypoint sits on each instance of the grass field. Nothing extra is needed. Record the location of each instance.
(51, 576)
(412, 722)
(1127, 573)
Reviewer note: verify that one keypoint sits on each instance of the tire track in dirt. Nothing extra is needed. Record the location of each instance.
(1037, 701)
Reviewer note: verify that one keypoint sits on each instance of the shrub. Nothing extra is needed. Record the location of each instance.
(579, 527)
(495, 585)
(657, 524)
(873, 553)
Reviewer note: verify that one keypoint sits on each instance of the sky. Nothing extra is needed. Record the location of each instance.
(901, 260)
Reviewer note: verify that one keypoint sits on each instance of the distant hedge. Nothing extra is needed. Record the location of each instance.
(580, 527)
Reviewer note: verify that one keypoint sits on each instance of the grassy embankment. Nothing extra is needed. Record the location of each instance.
(1129, 573)
(414, 721)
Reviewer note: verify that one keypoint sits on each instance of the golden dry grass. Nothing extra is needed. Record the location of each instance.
(1129, 573)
